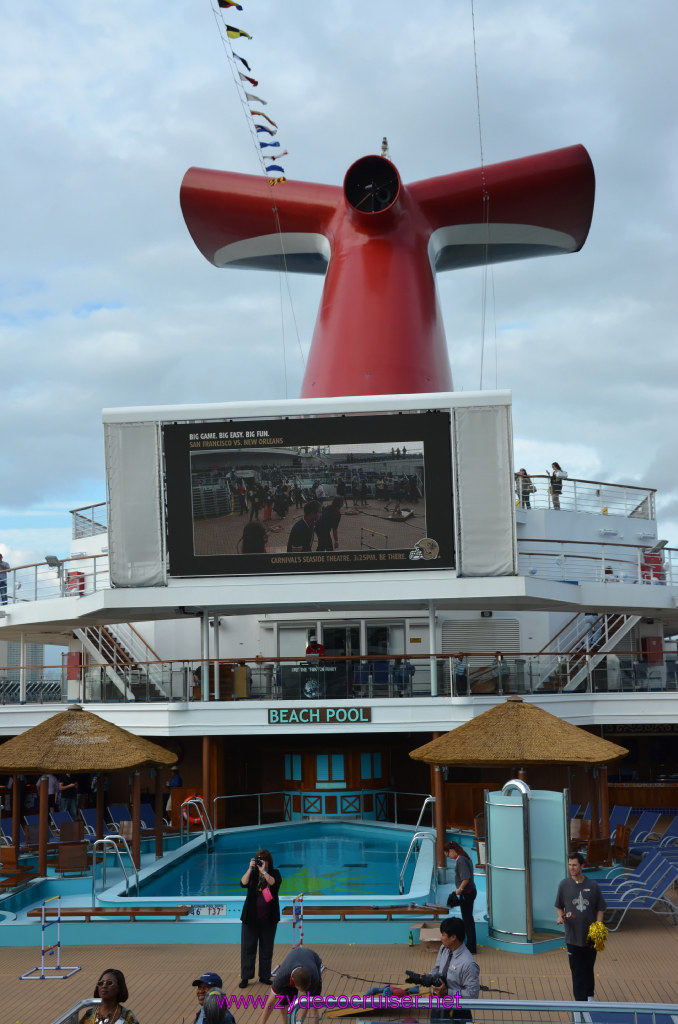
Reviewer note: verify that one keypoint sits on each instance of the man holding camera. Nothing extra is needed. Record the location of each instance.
(455, 973)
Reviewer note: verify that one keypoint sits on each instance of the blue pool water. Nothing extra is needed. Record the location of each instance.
(317, 858)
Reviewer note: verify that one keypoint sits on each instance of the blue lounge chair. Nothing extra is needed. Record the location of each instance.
(32, 830)
(89, 816)
(652, 897)
(619, 815)
(148, 818)
(119, 813)
(587, 813)
(644, 827)
(574, 810)
(643, 876)
(59, 818)
(654, 840)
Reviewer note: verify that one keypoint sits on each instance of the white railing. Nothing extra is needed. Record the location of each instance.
(592, 496)
(90, 520)
(593, 562)
(63, 577)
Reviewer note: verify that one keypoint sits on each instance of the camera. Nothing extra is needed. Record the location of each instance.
(422, 979)
(259, 862)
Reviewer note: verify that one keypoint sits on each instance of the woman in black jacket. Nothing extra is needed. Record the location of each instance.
(260, 916)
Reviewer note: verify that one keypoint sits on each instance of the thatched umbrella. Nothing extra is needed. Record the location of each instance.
(521, 733)
(79, 741)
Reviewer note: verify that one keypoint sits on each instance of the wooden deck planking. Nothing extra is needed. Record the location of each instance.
(639, 964)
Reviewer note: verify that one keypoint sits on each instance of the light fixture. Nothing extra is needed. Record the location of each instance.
(53, 562)
(659, 546)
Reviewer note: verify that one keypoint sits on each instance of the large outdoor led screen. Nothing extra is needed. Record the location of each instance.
(309, 494)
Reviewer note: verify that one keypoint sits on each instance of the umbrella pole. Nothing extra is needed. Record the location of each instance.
(595, 809)
(42, 825)
(159, 775)
(439, 815)
(136, 818)
(100, 807)
(16, 812)
(604, 803)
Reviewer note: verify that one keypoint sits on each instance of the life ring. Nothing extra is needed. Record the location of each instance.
(190, 819)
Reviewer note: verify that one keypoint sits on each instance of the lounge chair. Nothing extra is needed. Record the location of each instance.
(644, 876)
(8, 832)
(89, 817)
(644, 827)
(652, 897)
(619, 815)
(58, 819)
(654, 840)
(33, 830)
(148, 818)
(574, 810)
(118, 813)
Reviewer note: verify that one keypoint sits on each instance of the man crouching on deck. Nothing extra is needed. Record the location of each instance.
(298, 975)
(455, 973)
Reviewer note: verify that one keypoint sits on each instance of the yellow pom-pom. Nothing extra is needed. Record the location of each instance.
(597, 936)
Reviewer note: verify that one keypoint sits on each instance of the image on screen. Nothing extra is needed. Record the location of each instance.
(300, 495)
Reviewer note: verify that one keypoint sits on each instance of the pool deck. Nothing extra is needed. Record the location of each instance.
(638, 965)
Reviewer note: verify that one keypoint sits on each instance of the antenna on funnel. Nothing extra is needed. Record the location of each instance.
(384, 148)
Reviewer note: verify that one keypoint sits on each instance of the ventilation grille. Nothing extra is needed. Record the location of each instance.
(481, 636)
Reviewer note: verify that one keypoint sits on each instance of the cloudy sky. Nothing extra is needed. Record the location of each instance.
(105, 301)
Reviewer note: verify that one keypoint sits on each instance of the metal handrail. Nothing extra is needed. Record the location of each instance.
(198, 804)
(114, 841)
(415, 838)
(72, 1014)
(428, 800)
(508, 1011)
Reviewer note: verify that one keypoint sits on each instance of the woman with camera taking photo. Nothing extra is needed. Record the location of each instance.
(260, 916)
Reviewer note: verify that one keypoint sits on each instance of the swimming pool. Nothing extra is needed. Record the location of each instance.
(333, 861)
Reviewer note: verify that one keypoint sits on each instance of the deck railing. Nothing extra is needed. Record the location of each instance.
(567, 561)
(373, 678)
(593, 496)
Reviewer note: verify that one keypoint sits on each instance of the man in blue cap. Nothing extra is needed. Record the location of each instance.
(203, 984)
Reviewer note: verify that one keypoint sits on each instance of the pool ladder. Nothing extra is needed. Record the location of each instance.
(116, 842)
(198, 805)
(414, 845)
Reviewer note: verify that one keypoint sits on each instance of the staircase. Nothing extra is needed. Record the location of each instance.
(580, 645)
(129, 662)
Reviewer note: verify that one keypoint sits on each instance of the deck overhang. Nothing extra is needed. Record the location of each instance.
(52, 620)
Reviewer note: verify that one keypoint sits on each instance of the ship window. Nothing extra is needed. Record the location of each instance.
(330, 768)
(293, 767)
(370, 765)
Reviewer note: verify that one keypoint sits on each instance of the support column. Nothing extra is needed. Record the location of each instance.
(206, 780)
(217, 690)
(604, 803)
(22, 669)
(100, 807)
(595, 809)
(16, 812)
(439, 815)
(159, 797)
(136, 818)
(432, 647)
(204, 655)
(42, 824)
